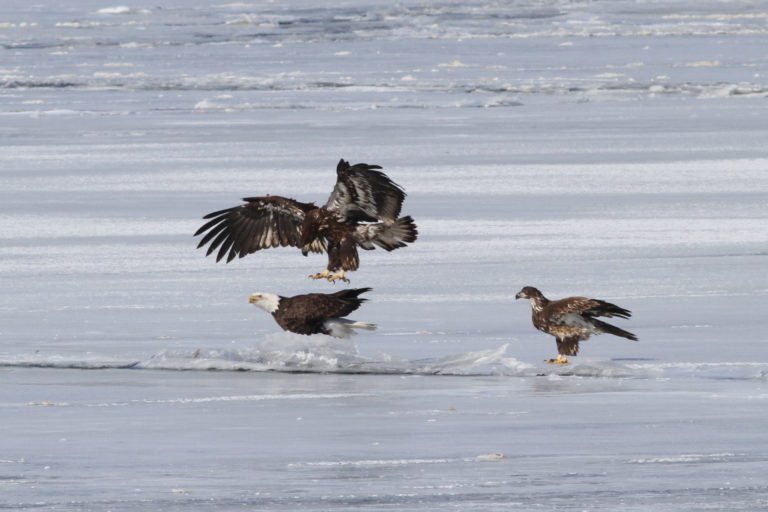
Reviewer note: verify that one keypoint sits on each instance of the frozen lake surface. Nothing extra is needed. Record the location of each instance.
(609, 149)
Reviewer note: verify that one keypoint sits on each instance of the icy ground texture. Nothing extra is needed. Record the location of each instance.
(615, 149)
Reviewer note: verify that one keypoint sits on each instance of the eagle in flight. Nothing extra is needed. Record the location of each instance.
(362, 211)
(315, 313)
(572, 320)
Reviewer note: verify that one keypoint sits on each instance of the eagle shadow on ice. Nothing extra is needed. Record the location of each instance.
(362, 211)
(572, 320)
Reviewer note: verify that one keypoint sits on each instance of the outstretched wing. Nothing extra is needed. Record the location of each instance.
(362, 193)
(260, 223)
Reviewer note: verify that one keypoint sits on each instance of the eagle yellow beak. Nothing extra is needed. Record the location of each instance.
(253, 298)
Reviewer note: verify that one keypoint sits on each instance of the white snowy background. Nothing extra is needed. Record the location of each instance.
(615, 149)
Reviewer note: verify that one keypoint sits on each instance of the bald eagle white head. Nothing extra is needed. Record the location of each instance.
(269, 302)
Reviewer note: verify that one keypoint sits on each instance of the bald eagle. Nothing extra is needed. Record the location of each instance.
(315, 313)
(362, 211)
(572, 320)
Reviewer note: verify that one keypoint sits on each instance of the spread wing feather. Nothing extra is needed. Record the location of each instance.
(228, 242)
(260, 223)
(364, 194)
(215, 230)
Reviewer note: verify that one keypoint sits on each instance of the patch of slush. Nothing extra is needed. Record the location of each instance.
(294, 353)
(288, 352)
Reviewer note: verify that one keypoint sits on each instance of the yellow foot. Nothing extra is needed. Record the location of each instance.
(558, 360)
(319, 275)
(338, 276)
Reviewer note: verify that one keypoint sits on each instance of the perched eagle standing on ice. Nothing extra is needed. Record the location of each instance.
(572, 320)
(362, 211)
(315, 313)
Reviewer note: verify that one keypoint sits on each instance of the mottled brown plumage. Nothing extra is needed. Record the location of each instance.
(315, 313)
(572, 319)
(362, 211)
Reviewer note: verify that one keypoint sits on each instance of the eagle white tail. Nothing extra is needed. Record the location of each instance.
(344, 328)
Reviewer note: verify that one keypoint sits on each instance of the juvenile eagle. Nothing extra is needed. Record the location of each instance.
(315, 313)
(572, 320)
(362, 211)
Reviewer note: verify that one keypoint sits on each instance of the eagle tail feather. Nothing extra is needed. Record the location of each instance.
(368, 326)
(356, 292)
(397, 234)
(344, 328)
(611, 310)
(612, 329)
(353, 295)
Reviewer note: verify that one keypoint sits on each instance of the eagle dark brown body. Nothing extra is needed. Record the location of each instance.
(572, 320)
(343, 238)
(362, 211)
(315, 313)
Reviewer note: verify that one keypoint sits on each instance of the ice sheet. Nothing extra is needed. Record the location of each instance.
(609, 149)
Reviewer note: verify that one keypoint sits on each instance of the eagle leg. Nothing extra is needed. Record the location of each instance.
(320, 275)
(338, 276)
(560, 359)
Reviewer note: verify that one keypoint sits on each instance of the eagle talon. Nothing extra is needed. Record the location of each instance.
(339, 276)
(320, 275)
(558, 360)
